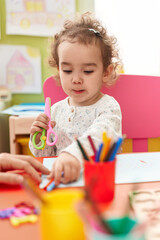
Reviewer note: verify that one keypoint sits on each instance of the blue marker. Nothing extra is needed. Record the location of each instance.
(116, 148)
(99, 152)
(51, 186)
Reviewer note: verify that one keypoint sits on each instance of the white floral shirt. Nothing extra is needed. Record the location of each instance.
(81, 121)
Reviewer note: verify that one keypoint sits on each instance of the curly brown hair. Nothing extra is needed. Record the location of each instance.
(88, 30)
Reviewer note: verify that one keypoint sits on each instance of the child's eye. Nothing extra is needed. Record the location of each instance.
(67, 71)
(88, 72)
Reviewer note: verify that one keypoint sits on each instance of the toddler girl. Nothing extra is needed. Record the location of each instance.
(86, 59)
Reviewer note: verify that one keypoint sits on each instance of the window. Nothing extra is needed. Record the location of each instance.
(135, 23)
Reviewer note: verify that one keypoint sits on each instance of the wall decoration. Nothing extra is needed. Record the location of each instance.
(20, 68)
(37, 17)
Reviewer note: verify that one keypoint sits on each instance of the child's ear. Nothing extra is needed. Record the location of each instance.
(107, 73)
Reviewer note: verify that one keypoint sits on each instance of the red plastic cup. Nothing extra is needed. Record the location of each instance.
(100, 180)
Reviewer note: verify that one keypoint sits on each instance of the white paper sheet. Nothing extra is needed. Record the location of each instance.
(47, 162)
(24, 110)
(130, 168)
(138, 167)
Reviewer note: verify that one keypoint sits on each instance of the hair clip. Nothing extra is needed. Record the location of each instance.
(97, 33)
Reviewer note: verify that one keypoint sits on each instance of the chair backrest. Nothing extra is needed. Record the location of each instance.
(139, 98)
(52, 90)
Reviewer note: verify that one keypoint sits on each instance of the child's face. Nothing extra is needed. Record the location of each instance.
(81, 72)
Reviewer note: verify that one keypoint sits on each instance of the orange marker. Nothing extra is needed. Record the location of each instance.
(105, 149)
(52, 179)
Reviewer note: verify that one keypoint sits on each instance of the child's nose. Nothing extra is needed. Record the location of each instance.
(76, 78)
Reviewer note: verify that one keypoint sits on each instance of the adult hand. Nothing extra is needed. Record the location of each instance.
(30, 166)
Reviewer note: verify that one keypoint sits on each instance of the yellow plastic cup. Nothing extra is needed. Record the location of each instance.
(58, 217)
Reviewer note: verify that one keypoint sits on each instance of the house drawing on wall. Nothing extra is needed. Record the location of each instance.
(19, 72)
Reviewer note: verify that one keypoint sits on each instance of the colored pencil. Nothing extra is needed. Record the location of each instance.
(51, 186)
(84, 153)
(92, 145)
(49, 183)
(105, 149)
(109, 152)
(99, 152)
(115, 149)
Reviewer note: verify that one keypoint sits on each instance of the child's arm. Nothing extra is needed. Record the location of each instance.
(107, 119)
(70, 159)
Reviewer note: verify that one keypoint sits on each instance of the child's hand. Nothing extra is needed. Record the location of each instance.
(65, 169)
(41, 121)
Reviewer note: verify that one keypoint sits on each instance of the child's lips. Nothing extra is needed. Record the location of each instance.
(78, 91)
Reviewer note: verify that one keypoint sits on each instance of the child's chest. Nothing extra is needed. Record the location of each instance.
(75, 119)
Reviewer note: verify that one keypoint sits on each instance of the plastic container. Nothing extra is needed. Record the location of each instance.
(100, 180)
(122, 228)
(58, 218)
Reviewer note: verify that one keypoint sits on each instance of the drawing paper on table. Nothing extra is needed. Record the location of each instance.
(47, 162)
(30, 110)
(138, 167)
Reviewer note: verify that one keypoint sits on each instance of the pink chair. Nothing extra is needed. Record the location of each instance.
(52, 90)
(139, 98)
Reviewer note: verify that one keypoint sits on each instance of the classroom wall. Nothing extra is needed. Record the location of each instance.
(38, 42)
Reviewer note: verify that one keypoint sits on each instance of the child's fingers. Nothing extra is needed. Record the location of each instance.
(53, 124)
(41, 122)
(51, 175)
(42, 117)
(70, 175)
(75, 174)
(35, 129)
(67, 174)
(11, 178)
(58, 170)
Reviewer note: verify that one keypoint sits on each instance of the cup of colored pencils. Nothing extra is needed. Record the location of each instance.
(99, 169)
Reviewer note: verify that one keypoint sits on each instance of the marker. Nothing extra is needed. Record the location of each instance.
(105, 149)
(107, 157)
(104, 136)
(51, 186)
(85, 155)
(116, 148)
(99, 152)
(92, 145)
(48, 183)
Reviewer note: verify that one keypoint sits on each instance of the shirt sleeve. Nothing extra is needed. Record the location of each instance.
(107, 120)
